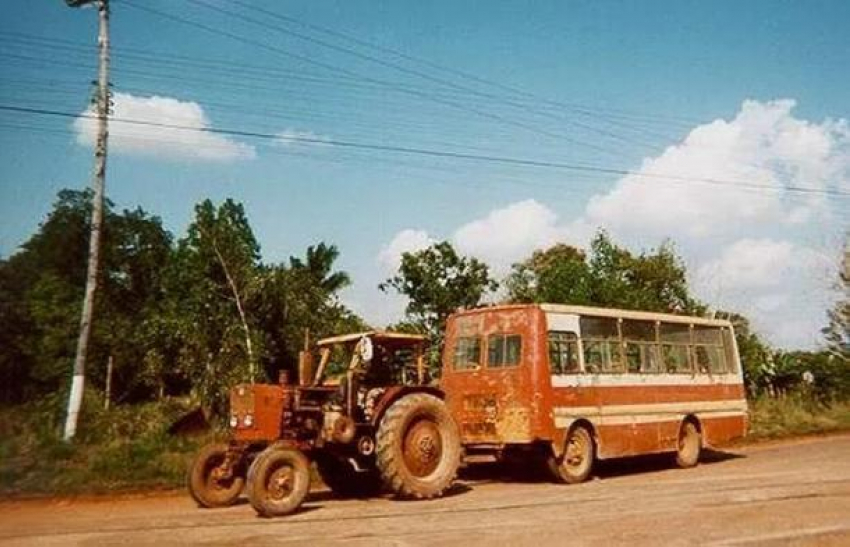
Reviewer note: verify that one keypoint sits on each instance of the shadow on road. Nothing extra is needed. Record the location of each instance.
(533, 470)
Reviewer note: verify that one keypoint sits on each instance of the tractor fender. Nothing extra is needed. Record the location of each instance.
(395, 393)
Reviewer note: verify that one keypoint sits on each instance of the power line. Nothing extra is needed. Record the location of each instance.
(439, 153)
(328, 66)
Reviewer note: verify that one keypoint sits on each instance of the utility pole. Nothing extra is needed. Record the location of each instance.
(102, 100)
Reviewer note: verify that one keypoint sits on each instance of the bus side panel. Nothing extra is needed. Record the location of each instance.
(723, 429)
(645, 416)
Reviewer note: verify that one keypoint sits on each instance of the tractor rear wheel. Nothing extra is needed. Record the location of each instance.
(345, 481)
(278, 481)
(418, 447)
(209, 484)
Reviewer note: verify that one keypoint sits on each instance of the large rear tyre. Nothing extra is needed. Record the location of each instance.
(278, 481)
(345, 481)
(418, 447)
(689, 445)
(209, 483)
(576, 463)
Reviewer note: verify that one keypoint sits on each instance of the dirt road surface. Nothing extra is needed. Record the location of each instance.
(790, 493)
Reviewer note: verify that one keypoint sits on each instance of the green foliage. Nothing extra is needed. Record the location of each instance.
(608, 275)
(42, 287)
(176, 318)
(437, 281)
(837, 331)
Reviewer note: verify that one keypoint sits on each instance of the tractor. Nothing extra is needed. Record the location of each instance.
(366, 415)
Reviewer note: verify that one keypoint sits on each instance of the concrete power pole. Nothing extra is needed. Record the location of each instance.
(75, 398)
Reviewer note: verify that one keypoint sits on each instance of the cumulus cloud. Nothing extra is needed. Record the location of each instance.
(162, 142)
(507, 234)
(751, 264)
(747, 250)
(763, 145)
(406, 241)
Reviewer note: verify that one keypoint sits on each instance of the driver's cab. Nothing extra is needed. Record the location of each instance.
(361, 366)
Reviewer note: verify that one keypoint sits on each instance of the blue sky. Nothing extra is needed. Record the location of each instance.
(755, 92)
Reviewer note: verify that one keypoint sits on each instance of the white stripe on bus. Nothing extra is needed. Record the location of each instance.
(565, 421)
(643, 380)
(686, 407)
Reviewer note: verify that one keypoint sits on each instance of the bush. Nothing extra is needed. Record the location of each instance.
(127, 447)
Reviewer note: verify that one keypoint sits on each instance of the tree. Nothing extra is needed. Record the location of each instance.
(837, 331)
(608, 276)
(558, 274)
(437, 281)
(205, 324)
(42, 285)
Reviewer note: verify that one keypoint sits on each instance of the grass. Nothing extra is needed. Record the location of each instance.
(796, 415)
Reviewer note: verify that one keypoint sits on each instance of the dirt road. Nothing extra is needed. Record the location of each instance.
(792, 493)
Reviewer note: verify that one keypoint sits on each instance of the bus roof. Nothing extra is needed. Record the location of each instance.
(608, 312)
(634, 314)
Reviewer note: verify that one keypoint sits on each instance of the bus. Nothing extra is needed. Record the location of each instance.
(578, 384)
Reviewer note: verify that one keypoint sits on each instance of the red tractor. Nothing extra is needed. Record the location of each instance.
(366, 416)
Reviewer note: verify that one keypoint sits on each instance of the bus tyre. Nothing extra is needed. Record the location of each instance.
(689, 445)
(344, 480)
(208, 486)
(418, 447)
(278, 481)
(576, 463)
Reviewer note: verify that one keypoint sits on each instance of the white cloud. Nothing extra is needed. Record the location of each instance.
(406, 241)
(508, 234)
(162, 142)
(763, 145)
(750, 264)
(293, 137)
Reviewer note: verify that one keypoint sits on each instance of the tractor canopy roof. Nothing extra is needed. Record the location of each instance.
(384, 338)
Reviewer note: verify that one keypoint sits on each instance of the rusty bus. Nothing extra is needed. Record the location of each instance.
(576, 384)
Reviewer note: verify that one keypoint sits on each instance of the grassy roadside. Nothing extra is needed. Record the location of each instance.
(795, 416)
(125, 449)
(128, 448)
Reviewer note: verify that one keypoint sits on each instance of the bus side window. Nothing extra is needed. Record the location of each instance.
(675, 347)
(563, 353)
(601, 341)
(504, 350)
(639, 345)
(675, 358)
(729, 347)
(594, 355)
(467, 353)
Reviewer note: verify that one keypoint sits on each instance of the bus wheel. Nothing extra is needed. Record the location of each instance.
(689, 445)
(576, 462)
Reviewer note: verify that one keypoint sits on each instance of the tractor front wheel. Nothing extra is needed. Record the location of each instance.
(278, 481)
(210, 483)
(418, 447)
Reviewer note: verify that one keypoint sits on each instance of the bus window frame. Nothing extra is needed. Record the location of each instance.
(505, 335)
(476, 367)
(579, 352)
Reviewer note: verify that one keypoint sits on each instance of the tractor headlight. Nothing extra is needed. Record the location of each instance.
(234, 421)
(248, 421)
